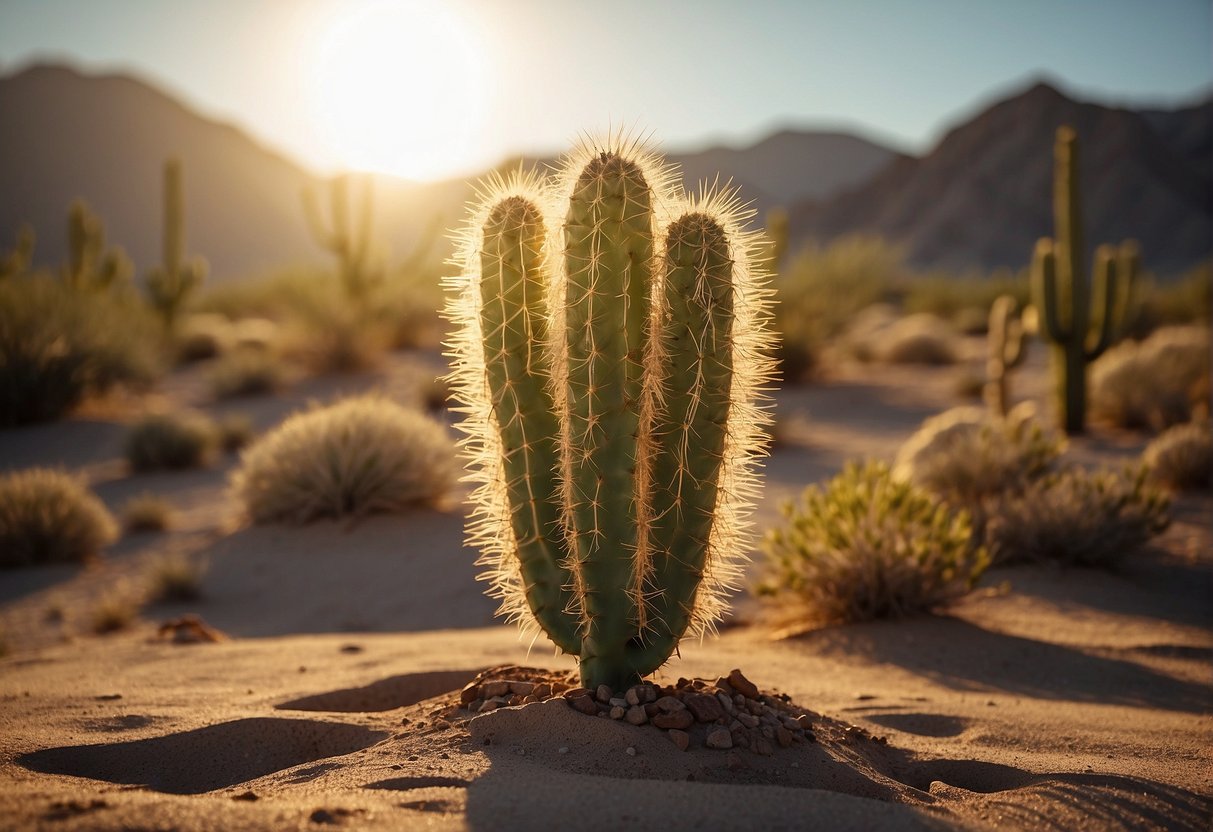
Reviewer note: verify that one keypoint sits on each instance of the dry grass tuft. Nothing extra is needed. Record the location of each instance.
(868, 546)
(1182, 457)
(175, 577)
(235, 431)
(48, 516)
(361, 456)
(171, 441)
(147, 513)
(115, 611)
(1155, 383)
(246, 372)
(1079, 518)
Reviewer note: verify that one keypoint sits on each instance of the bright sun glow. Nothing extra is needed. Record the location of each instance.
(398, 88)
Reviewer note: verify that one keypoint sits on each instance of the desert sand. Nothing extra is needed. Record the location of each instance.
(1048, 699)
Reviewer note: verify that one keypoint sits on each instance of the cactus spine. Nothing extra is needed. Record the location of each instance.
(170, 284)
(1079, 322)
(612, 339)
(1007, 348)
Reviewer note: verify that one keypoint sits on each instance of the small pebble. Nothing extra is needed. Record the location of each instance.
(631, 752)
(617, 712)
(564, 749)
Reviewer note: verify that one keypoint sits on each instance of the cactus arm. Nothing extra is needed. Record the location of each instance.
(1105, 300)
(608, 263)
(1044, 292)
(690, 429)
(513, 322)
(174, 218)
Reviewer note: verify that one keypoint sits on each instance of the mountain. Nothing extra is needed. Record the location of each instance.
(982, 196)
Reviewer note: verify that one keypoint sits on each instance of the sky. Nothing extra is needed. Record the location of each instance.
(430, 89)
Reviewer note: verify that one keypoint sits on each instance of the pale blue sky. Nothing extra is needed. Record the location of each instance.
(534, 73)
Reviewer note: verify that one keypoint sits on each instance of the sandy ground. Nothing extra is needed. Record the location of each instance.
(1048, 699)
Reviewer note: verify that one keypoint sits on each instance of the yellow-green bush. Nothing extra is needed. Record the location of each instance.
(360, 456)
(48, 516)
(868, 546)
(58, 346)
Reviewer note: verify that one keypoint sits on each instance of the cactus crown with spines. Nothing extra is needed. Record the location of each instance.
(613, 338)
(1080, 320)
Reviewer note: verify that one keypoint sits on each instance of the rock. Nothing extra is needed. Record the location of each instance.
(783, 736)
(726, 703)
(617, 711)
(636, 715)
(670, 704)
(675, 719)
(473, 706)
(651, 709)
(618, 702)
(723, 686)
(584, 703)
(573, 693)
(768, 732)
(496, 688)
(680, 738)
(763, 746)
(740, 737)
(631, 752)
(542, 691)
(804, 722)
(748, 720)
(469, 694)
(489, 705)
(522, 688)
(564, 749)
(719, 738)
(530, 699)
(604, 693)
(705, 708)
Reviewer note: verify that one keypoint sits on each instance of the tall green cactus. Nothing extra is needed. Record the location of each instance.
(169, 285)
(612, 339)
(1079, 322)
(18, 260)
(91, 266)
(1007, 347)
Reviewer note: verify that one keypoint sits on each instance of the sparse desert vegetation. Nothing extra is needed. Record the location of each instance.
(147, 513)
(1181, 457)
(175, 577)
(171, 441)
(49, 516)
(360, 456)
(1160, 381)
(246, 371)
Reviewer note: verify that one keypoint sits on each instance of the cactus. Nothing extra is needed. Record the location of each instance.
(17, 261)
(1007, 344)
(1062, 295)
(170, 284)
(90, 265)
(612, 339)
(349, 241)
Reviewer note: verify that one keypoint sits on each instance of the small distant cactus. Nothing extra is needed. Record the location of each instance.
(172, 282)
(17, 261)
(1007, 349)
(348, 239)
(1081, 324)
(91, 266)
(613, 337)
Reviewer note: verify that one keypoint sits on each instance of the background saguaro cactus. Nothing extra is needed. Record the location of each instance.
(347, 237)
(90, 265)
(17, 260)
(1079, 320)
(1007, 343)
(170, 284)
(613, 337)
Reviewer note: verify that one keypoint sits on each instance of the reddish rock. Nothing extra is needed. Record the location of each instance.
(719, 738)
(497, 688)
(636, 715)
(670, 704)
(742, 685)
(469, 694)
(680, 738)
(675, 719)
(584, 703)
(705, 708)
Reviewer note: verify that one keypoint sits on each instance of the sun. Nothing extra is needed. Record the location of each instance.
(397, 87)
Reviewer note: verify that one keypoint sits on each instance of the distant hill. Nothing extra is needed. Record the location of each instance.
(982, 196)
(978, 199)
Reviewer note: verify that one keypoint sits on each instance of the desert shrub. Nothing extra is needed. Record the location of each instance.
(868, 546)
(170, 441)
(175, 577)
(246, 372)
(1181, 458)
(203, 336)
(48, 516)
(1077, 517)
(233, 431)
(59, 347)
(966, 455)
(1188, 300)
(360, 456)
(147, 513)
(114, 611)
(1155, 383)
(953, 297)
(822, 289)
(917, 339)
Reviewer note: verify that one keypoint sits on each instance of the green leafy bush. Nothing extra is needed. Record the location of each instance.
(1155, 383)
(171, 441)
(1181, 458)
(48, 516)
(1077, 517)
(58, 347)
(868, 546)
(360, 456)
